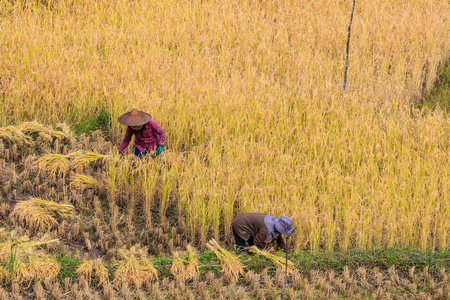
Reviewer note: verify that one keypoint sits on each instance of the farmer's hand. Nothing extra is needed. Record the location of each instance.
(159, 149)
(272, 250)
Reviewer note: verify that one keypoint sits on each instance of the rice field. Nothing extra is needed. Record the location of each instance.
(249, 94)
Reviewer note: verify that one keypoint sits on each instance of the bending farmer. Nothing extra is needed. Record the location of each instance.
(148, 134)
(260, 230)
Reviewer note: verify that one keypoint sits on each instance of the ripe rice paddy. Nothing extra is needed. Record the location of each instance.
(249, 96)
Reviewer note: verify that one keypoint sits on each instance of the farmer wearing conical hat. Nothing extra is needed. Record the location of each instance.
(260, 230)
(148, 134)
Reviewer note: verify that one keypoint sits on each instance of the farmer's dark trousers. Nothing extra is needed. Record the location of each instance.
(139, 153)
(240, 243)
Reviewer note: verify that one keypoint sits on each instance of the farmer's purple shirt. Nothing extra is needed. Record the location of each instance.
(148, 137)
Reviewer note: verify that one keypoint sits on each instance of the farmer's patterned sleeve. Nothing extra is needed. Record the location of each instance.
(158, 129)
(126, 139)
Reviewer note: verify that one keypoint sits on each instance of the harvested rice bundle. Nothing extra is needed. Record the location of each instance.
(81, 158)
(178, 267)
(93, 269)
(231, 266)
(42, 267)
(134, 267)
(54, 164)
(14, 135)
(84, 182)
(30, 127)
(280, 262)
(192, 268)
(86, 269)
(38, 214)
(68, 134)
(21, 246)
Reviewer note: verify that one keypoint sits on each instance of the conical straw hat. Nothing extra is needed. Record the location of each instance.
(134, 118)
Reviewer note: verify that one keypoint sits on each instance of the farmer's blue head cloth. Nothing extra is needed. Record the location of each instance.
(275, 226)
(284, 226)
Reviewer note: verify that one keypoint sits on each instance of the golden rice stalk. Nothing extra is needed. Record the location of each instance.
(84, 182)
(280, 262)
(42, 267)
(40, 214)
(193, 265)
(54, 164)
(231, 266)
(178, 267)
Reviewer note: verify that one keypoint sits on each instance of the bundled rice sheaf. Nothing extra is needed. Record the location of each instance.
(134, 267)
(280, 262)
(38, 214)
(193, 264)
(93, 270)
(20, 134)
(231, 266)
(41, 267)
(85, 157)
(84, 182)
(60, 164)
(22, 245)
(35, 127)
(14, 135)
(25, 262)
(54, 164)
(178, 268)
(68, 134)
